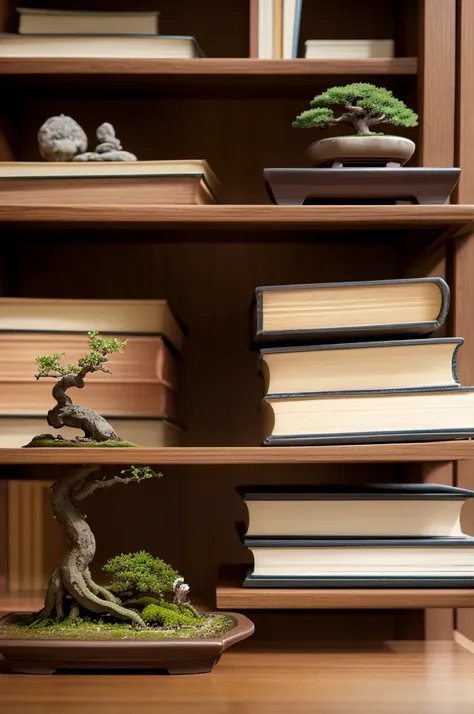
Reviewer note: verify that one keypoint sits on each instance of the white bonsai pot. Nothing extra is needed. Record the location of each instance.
(370, 149)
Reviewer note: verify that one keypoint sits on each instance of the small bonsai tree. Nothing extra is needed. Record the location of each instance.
(65, 413)
(362, 105)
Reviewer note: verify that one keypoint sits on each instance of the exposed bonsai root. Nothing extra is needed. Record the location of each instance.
(106, 594)
(54, 596)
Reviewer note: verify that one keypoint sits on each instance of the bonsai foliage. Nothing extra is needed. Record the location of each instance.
(65, 413)
(360, 104)
(135, 574)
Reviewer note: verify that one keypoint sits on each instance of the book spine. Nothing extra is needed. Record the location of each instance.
(253, 34)
(297, 27)
(277, 28)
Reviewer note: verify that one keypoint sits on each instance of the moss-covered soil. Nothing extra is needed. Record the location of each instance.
(52, 441)
(20, 628)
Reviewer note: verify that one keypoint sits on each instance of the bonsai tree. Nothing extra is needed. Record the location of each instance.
(65, 413)
(361, 105)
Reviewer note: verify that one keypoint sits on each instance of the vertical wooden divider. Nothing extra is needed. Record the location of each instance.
(437, 81)
(437, 85)
(463, 254)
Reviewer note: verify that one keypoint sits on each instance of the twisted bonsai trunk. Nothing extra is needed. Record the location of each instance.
(72, 576)
(65, 413)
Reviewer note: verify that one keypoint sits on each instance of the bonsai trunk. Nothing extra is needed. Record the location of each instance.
(72, 576)
(65, 413)
(362, 127)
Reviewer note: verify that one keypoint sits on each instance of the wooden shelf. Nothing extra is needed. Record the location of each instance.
(241, 455)
(448, 220)
(215, 66)
(201, 78)
(234, 597)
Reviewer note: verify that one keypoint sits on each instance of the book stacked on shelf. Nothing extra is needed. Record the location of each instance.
(108, 182)
(328, 382)
(383, 535)
(74, 33)
(139, 397)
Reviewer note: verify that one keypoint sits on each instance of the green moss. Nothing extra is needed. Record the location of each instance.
(21, 627)
(141, 572)
(48, 441)
(168, 616)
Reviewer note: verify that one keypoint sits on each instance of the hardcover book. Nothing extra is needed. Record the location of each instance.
(115, 317)
(369, 417)
(399, 364)
(331, 312)
(340, 562)
(134, 182)
(34, 21)
(375, 510)
(17, 431)
(145, 359)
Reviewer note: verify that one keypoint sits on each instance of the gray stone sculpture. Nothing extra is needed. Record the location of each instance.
(61, 138)
(109, 147)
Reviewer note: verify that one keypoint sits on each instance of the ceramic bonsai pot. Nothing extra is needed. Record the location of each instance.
(175, 655)
(363, 150)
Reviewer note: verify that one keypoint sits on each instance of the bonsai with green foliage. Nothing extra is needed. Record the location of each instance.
(361, 105)
(65, 413)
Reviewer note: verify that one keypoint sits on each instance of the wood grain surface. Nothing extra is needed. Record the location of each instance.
(245, 216)
(234, 597)
(208, 66)
(389, 677)
(238, 455)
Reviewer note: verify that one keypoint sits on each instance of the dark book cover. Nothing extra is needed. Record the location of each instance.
(258, 581)
(374, 437)
(377, 492)
(305, 336)
(303, 542)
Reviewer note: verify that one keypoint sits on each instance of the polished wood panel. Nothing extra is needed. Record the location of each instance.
(210, 67)
(437, 77)
(238, 455)
(243, 216)
(234, 597)
(389, 677)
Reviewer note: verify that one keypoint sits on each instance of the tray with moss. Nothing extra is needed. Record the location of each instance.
(143, 619)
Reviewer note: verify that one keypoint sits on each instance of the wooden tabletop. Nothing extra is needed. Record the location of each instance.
(390, 678)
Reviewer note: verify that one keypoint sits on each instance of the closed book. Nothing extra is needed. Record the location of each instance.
(399, 364)
(99, 46)
(340, 560)
(114, 317)
(348, 49)
(369, 417)
(18, 431)
(265, 30)
(336, 312)
(33, 21)
(126, 182)
(110, 397)
(374, 510)
(144, 359)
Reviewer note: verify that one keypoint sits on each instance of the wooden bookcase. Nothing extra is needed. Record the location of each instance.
(236, 112)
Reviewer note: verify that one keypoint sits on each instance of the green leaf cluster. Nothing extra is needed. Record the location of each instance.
(100, 349)
(376, 101)
(137, 573)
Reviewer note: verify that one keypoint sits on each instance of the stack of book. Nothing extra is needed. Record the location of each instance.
(139, 397)
(385, 535)
(75, 33)
(324, 385)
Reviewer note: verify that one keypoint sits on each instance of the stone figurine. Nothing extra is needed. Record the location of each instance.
(61, 138)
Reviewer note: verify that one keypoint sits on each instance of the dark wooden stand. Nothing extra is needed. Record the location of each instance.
(293, 187)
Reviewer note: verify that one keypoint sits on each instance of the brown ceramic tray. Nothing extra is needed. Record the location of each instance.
(179, 656)
(292, 187)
